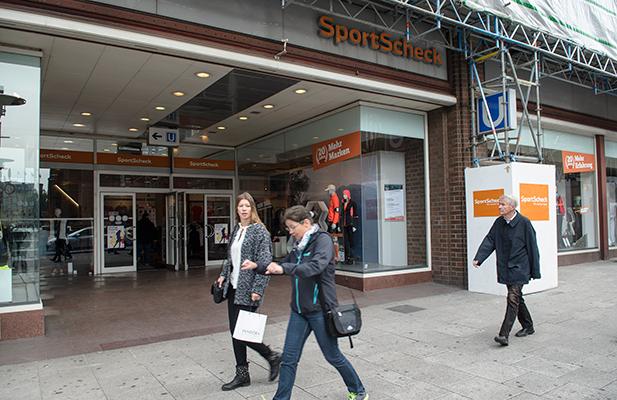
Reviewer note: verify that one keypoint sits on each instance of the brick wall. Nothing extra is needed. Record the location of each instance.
(416, 214)
(449, 132)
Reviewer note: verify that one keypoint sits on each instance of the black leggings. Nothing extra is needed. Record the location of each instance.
(240, 345)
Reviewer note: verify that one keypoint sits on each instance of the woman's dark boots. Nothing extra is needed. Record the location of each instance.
(274, 359)
(242, 378)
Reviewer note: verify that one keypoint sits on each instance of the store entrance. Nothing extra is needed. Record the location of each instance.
(198, 227)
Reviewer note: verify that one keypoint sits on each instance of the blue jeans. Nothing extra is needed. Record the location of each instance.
(298, 330)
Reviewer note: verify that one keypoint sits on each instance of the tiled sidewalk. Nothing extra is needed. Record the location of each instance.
(432, 347)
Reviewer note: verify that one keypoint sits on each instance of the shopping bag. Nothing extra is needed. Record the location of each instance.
(250, 327)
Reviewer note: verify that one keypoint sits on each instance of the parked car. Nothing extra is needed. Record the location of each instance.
(80, 241)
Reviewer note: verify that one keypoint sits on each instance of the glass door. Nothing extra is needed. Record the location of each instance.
(175, 230)
(119, 233)
(217, 228)
(195, 230)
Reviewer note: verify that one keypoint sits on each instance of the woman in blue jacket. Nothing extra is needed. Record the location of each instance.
(311, 267)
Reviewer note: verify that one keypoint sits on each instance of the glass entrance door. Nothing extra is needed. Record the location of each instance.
(119, 233)
(218, 227)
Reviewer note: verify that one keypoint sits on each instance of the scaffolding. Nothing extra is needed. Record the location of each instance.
(524, 56)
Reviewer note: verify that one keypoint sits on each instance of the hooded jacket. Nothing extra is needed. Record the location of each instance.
(334, 209)
(312, 273)
(348, 213)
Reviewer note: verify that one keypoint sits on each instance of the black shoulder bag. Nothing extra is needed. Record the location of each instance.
(345, 320)
(217, 293)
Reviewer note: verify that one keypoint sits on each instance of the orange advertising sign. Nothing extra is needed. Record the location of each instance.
(534, 201)
(577, 162)
(66, 156)
(202, 163)
(132, 160)
(336, 150)
(486, 202)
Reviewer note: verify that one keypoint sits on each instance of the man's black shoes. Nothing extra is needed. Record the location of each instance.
(502, 340)
(525, 332)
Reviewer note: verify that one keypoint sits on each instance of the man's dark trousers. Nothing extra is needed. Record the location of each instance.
(516, 308)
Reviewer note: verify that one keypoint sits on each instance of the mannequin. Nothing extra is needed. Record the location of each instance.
(58, 230)
(348, 214)
(334, 209)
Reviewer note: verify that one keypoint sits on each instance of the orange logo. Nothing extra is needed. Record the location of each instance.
(132, 160)
(486, 203)
(577, 162)
(336, 150)
(202, 163)
(534, 201)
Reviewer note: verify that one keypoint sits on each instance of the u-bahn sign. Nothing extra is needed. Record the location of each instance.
(163, 137)
(504, 118)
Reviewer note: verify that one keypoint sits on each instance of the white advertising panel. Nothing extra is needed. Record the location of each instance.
(534, 187)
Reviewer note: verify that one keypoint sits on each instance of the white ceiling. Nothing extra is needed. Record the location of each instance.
(119, 86)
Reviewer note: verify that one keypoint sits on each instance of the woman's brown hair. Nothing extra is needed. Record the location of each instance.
(297, 214)
(254, 216)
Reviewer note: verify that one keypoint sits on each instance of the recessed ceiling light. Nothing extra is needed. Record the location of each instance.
(68, 141)
(160, 108)
(315, 137)
(268, 106)
(178, 93)
(86, 114)
(79, 125)
(221, 128)
(248, 159)
(145, 119)
(340, 129)
(105, 149)
(300, 91)
(133, 129)
(243, 118)
(65, 148)
(114, 144)
(202, 74)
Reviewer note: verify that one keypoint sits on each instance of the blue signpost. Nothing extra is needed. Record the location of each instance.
(503, 118)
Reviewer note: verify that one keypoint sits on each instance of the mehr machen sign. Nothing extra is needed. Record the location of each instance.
(378, 41)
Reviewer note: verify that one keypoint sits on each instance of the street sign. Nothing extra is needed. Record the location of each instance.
(163, 137)
(502, 121)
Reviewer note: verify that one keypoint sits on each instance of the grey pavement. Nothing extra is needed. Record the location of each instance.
(436, 347)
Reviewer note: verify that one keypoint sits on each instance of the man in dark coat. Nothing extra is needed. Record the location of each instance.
(518, 260)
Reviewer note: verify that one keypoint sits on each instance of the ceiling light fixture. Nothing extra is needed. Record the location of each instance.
(205, 138)
(146, 119)
(105, 149)
(86, 114)
(79, 125)
(133, 129)
(340, 129)
(315, 137)
(300, 91)
(243, 118)
(68, 141)
(221, 128)
(159, 108)
(268, 106)
(202, 74)
(178, 93)
(64, 148)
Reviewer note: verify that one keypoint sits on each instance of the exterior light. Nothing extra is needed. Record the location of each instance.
(86, 114)
(300, 91)
(243, 118)
(159, 108)
(79, 125)
(146, 119)
(202, 74)
(178, 94)
(268, 106)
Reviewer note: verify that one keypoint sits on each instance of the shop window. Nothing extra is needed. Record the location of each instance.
(181, 182)
(67, 221)
(576, 197)
(611, 191)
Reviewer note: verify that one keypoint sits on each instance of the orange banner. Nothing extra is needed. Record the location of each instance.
(486, 202)
(202, 163)
(132, 160)
(577, 162)
(66, 156)
(534, 201)
(336, 150)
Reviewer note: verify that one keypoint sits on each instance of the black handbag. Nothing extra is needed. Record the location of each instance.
(217, 293)
(345, 320)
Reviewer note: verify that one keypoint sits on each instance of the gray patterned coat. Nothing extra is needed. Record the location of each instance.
(256, 247)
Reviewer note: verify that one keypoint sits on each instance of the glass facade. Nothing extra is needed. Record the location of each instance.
(611, 191)
(21, 240)
(576, 203)
(361, 171)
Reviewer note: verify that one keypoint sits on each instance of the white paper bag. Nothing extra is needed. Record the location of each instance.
(6, 285)
(250, 327)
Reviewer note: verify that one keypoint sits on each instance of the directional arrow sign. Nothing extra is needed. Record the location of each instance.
(163, 137)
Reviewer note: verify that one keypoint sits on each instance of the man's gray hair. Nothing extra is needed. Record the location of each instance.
(511, 199)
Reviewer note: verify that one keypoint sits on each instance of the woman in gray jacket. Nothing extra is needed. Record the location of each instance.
(244, 289)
